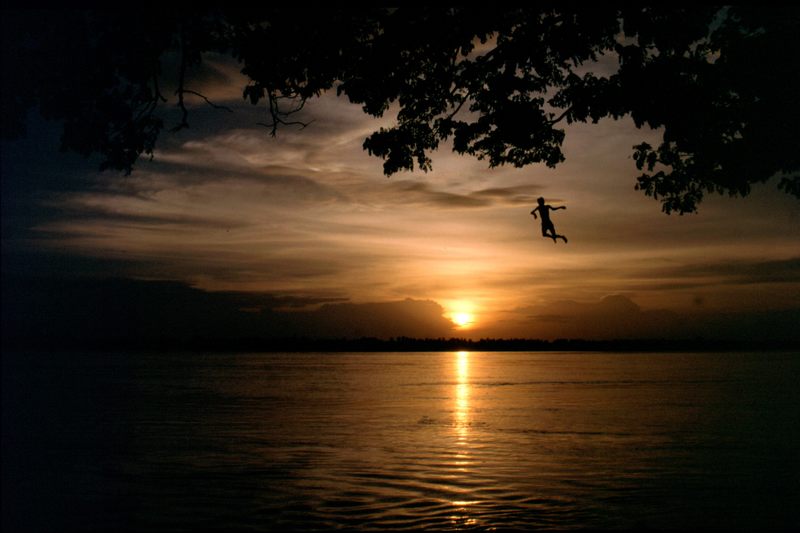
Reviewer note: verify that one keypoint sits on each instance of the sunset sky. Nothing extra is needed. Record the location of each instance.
(306, 230)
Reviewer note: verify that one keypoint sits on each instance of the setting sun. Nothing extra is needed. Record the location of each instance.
(461, 313)
(462, 319)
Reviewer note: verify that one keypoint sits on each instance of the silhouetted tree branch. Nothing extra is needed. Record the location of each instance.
(209, 102)
(279, 115)
(720, 83)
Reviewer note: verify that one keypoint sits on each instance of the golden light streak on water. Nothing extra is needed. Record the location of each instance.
(461, 410)
(463, 515)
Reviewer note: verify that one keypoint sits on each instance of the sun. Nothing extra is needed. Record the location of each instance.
(462, 319)
(461, 313)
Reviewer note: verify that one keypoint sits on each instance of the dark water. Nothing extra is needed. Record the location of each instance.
(473, 441)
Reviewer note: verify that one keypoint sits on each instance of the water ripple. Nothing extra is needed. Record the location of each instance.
(472, 442)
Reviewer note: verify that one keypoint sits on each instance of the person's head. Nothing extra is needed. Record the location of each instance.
(540, 200)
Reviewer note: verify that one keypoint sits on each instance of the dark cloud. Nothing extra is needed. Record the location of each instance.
(32, 170)
(511, 196)
(613, 317)
(273, 181)
(417, 192)
(102, 216)
(776, 325)
(779, 271)
(209, 77)
(420, 192)
(618, 317)
(410, 318)
(556, 319)
(723, 273)
(127, 312)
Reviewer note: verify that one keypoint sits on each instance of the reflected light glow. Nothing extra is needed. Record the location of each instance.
(462, 396)
(461, 422)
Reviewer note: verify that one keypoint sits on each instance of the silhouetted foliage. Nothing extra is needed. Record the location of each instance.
(720, 82)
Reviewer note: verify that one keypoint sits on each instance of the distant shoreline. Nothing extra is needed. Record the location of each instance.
(399, 344)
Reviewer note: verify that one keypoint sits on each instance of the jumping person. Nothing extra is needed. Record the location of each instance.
(548, 230)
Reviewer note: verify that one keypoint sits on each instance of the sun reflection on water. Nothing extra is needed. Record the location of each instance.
(462, 397)
(462, 507)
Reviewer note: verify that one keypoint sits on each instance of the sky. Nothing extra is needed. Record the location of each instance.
(231, 230)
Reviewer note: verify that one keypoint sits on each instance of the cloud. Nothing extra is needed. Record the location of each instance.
(511, 196)
(619, 317)
(723, 284)
(410, 318)
(741, 272)
(418, 192)
(613, 317)
(129, 311)
(425, 193)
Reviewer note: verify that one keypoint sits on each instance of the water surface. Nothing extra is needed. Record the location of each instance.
(458, 440)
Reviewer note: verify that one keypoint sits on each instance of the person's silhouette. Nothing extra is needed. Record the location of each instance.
(548, 230)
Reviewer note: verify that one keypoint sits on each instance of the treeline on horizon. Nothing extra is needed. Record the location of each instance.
(394, 344)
